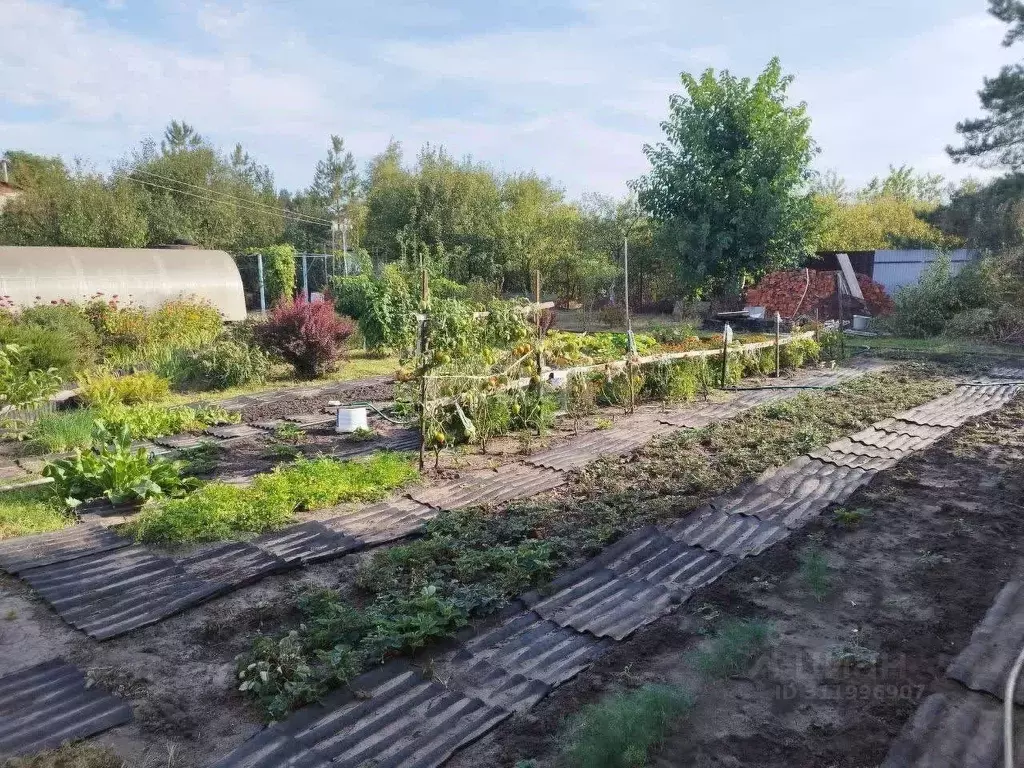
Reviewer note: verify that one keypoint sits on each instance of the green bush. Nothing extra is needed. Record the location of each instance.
(112, 469)
(20, 385)
(615, 389)
(223, 364)
(388, 324)
(106, 388)
(620, 730)
(43, 349)
(70, 321)
(353, 295)
(800, 352)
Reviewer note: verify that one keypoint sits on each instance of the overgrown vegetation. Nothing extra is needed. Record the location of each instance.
(470, 563)
(219, 511)
(620, 730)
(984, 301)
(814, 571)
(78, 755)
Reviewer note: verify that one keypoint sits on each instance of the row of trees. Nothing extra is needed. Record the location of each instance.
(730, 195)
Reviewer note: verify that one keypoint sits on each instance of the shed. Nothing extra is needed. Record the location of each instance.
(146, 276)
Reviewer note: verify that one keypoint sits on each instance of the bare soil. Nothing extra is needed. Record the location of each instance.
(288, 406)
(937, 538)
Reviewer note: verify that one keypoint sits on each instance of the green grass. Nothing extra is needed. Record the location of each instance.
(64, 430)
(31, 510)
(621, 730)
(936, 345)
(732, 647)
(220, 511)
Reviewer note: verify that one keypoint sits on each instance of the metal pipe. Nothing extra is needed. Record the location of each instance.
(263, 287)
(1009, 694)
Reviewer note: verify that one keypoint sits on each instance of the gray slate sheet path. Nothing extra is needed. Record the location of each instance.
(632, 583)
(46, 705)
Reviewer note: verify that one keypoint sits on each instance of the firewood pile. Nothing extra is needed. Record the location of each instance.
(784, 292)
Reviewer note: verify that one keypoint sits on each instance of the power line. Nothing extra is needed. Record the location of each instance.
(311, 219)
(237, 201)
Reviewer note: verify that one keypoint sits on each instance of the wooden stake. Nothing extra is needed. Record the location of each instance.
(424, 301)
(778, 346)
(725, 353)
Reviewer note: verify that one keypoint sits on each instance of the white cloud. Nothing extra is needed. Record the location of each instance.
(574, 102)
(902, 106)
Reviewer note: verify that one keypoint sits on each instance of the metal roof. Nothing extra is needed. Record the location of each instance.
(146, 276)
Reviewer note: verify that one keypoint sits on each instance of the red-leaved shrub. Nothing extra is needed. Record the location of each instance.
(308, 335)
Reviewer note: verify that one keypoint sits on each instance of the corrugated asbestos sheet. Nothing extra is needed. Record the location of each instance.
(1007, 372)
(963, 403)
(519, 662)
(632, 583)
(387, 521)
(986, 662)
(729, 534)
(118, 591)
(953, 730)
(790, 494)
(24, 552)
(615, 441)
(487, 487)
(46, 705)
(233, 431)
(308, 543)
(386, 718)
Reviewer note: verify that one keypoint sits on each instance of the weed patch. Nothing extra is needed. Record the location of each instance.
(621, 730)
(733, 646)
(68, 756)
(220, 511)
(31, 510)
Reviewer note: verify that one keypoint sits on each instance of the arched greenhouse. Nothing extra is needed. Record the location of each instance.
(145, 276)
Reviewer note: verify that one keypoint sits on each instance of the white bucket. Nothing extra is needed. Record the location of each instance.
(350, 419)
(860, 322)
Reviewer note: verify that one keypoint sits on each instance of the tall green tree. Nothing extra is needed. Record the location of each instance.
(998, 137)
(729, 184)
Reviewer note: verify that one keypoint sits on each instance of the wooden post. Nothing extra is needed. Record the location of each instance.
(424, 300)
(725, 353)
(778, 346)
(539, 357)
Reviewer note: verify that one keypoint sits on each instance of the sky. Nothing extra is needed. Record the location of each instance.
(570, 89)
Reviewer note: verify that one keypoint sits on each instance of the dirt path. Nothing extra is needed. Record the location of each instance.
(910, 574)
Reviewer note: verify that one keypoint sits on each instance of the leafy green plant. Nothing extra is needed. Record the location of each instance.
(362, 435)
(733, 646)
(68, 321)
(799, 352)
(290, 432)
(21, 387)
(388, 322)
(849, 518)
(580, 399)
(114, 470)
(620, 730)
(491, 414)
(42, 348)
(101, 388)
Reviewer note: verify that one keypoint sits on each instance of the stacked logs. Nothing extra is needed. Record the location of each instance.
(791, 294)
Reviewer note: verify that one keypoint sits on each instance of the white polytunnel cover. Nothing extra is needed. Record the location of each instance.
(146, 277)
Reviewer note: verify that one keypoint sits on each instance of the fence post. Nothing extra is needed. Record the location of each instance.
(305, 277)
(726, 334)
(422, 344)
(263, 288)
(778, 346)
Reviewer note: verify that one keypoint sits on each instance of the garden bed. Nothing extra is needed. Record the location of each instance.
(856, 619)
